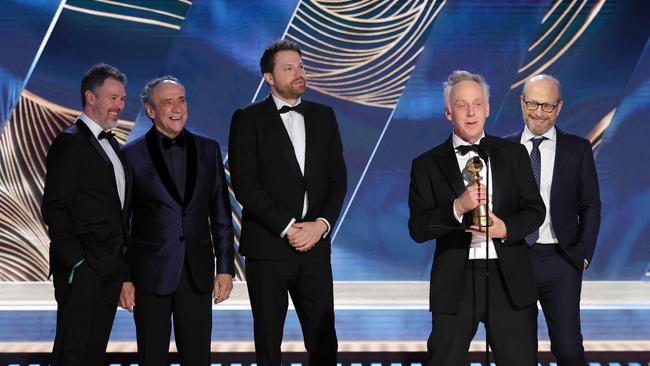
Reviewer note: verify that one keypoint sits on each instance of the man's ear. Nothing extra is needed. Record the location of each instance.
(448, 113)
(151, 112)
(268, 77)
(90, 97)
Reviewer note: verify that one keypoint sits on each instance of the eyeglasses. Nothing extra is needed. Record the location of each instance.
(546, 107)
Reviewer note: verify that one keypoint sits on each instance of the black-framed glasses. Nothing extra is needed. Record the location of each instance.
(546, 107)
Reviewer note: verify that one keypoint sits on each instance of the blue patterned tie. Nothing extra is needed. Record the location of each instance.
(536, 163)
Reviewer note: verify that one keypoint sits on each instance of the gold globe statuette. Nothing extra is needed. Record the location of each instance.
(480, 215)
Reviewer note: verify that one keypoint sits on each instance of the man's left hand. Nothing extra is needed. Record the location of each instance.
(498, 229)
(309, 234)
(222, 287)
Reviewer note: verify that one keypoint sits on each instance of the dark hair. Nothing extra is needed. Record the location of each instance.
(95, 77)
(147, 91)
(267, 62)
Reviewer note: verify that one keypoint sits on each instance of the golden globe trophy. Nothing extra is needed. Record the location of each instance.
(480, 215)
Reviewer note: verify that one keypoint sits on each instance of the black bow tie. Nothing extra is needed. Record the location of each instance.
(177, 141)
(464, 149)
(299, 108)
(108, 135)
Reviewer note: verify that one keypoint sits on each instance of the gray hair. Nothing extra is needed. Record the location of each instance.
(461, 75)
(147, 92)
(543, 77)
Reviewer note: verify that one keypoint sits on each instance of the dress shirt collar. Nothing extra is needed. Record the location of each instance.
(95, 128)
(279, 103)
(160, 137)
(527, 134)
(457, 141)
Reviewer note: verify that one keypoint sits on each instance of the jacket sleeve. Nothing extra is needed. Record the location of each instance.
(588, 203)
(63, 167)
(221, 221)
(429, 218)
(336, 173)
(244, 175)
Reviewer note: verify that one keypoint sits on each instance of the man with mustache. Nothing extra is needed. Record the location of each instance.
(85, 205)
(441, 200)
(180, 222)
(562, 248)
(288, 172)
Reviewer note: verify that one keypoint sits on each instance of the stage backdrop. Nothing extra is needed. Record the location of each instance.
(379, 63)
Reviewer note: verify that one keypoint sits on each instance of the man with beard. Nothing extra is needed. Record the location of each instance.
(288, 172)
(85, 201)
(562, 248)
(441, 200)
(180, 222)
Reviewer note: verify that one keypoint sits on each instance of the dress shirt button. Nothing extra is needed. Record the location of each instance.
(181, 238)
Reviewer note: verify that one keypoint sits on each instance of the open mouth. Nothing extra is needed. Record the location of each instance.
(176, 118)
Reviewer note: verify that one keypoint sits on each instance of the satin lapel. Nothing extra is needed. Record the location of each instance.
(497, 163)
(93, 140)
(311, 136)
(159, 164)
(446, 159)
(128, 176)
(283, 135)
(191, 168)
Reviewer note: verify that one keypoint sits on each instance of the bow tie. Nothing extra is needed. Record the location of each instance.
(464, 149)
(177, 141)
(299, 108)
(108, 135)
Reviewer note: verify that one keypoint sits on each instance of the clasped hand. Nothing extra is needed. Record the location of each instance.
(303, 236)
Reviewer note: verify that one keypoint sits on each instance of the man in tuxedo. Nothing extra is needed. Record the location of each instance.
(441, 200)
(288, 172)
(85, 201)
(562, 248)
(180, 221)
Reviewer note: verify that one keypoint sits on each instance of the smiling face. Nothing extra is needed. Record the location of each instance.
(287, 80)
(541, 90)
(105, 104)
(169, 108)
(467, 110)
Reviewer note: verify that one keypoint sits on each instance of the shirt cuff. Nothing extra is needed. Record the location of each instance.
(329, 227)
(458, 218)
(284, 232)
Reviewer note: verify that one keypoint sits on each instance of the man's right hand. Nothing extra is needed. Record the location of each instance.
(470, 199)
(127, 296)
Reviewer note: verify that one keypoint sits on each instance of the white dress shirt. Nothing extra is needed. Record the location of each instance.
(118, 169)
(547, 159)
(294, 122)
(477, 245)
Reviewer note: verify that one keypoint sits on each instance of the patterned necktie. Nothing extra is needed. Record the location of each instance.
(536, 164)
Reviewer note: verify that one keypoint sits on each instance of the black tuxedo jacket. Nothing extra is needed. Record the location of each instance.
(436, 181)
(575, 197)
(166, 228)
(268, 182)
(81, 206)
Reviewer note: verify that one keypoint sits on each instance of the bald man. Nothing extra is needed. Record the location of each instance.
(563, 247)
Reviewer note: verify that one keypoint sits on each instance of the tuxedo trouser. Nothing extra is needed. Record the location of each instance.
(559, 284)
(84, 317)
(191, 311)
(308, 279)
(511, 330)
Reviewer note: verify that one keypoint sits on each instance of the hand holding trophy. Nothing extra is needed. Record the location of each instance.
(480, 216)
